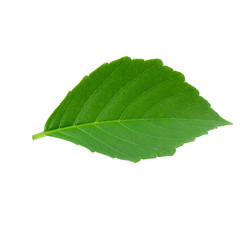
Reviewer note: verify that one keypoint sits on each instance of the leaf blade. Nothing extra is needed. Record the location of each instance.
(119, 108)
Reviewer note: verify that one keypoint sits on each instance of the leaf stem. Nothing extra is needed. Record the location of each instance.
(38, 135)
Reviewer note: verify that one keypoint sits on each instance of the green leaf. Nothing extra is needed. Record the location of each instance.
(132, 110)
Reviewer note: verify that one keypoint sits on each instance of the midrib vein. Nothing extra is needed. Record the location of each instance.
(46, 133)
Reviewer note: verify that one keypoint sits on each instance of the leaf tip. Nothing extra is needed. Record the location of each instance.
(225, 122)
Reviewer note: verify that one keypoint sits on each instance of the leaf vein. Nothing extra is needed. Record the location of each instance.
(142, 133)
(134, 143)
(121, 89)
(68, 135)
(97, 89)
(165, 99)
(146, 91)
(102, 142)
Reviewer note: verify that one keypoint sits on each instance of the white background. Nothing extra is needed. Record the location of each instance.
(51, 189)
